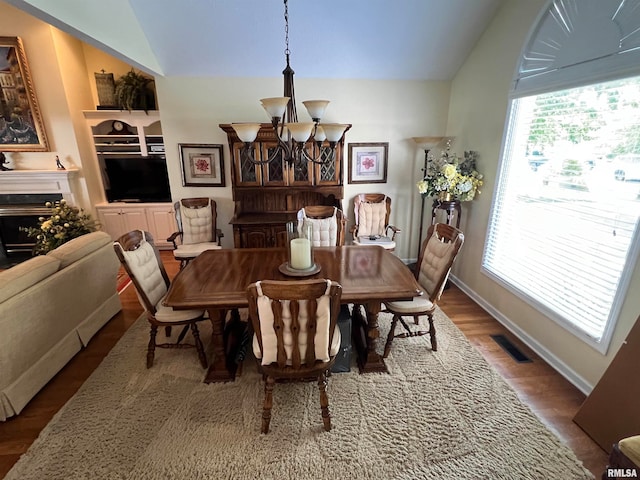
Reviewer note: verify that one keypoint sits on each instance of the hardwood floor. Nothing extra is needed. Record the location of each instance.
(547, 393)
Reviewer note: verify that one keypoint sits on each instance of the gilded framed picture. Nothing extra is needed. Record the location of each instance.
(21, 126)
(202, 165)
(368, 162)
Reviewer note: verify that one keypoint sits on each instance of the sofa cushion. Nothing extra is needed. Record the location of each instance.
(26, 274)
(80, 247)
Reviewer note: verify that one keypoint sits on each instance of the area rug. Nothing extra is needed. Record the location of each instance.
(444, 415)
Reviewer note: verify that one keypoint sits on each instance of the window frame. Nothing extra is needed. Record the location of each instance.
(633, 253)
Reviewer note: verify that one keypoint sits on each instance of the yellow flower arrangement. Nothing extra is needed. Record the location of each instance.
(448, 174)
(65, 223)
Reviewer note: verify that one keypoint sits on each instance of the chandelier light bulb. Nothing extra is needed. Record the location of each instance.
(319, 136)
(275, 106)
(316, 108)
(334, 131)
(247, 132)
(300, 131)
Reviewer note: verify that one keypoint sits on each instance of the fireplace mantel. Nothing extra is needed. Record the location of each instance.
(39, 181)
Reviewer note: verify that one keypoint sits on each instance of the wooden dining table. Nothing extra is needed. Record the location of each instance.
(217, 281)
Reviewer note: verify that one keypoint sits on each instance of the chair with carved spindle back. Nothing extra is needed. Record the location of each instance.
(296, 335)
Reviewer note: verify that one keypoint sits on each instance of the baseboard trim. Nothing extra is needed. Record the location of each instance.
(562, 368)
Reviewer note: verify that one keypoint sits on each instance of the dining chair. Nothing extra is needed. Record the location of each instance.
(372, 212)
(438, 252)
(328, 223)
(625, 456)
(141, 260)
(296, 335)
(197, 232)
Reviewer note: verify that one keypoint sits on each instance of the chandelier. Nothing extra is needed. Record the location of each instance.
(298, 142)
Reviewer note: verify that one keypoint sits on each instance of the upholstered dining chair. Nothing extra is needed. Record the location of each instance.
(296, 335)
(625, 455)
(197, 232)
(371, 212)
(438, 252)
(328, 223)
(141, 260)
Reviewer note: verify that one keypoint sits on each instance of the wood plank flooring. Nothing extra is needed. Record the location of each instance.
(546, 392)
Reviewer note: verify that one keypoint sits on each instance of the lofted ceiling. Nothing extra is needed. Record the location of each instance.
(374, 39)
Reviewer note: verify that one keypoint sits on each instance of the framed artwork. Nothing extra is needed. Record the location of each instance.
(368, 162)
(21, 127)
(202, 165)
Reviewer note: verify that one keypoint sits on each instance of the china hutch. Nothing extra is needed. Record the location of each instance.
(268, 196)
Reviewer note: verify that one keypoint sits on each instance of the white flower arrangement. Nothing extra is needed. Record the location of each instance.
(449, 175)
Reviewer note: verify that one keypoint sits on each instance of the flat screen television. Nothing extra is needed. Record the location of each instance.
(137, 179)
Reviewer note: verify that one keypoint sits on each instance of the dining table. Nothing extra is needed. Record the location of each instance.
(217, 281)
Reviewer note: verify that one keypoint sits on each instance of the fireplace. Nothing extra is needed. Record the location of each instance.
(21, 211)
(23, 202)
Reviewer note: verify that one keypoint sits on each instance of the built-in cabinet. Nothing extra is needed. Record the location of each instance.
(121, 133)
(159, 219)
(135, 135)
(268, 196)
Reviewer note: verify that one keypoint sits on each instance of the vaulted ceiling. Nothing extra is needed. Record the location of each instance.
(375, 39)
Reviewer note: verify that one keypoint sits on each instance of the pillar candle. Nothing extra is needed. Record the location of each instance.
(300, 254)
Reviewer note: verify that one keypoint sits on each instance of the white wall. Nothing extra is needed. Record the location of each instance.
(380, 111)
(58, 73)
(477, 118)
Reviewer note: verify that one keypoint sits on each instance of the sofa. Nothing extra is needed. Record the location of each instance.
(50, 307)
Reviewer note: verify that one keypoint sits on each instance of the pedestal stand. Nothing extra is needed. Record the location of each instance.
(452, 210)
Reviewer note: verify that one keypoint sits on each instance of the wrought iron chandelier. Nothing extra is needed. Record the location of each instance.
(298, 142)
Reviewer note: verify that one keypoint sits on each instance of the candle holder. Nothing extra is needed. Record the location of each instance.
(300, 261)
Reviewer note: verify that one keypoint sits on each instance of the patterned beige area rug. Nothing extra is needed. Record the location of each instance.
(444, 415)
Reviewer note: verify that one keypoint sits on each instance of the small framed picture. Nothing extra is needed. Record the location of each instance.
(202, 165)
(368, 162)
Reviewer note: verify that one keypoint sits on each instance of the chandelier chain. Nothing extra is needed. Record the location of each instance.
(286, 27)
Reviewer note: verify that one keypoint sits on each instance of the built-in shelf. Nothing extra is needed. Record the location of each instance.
(143, 132)
(141, 139)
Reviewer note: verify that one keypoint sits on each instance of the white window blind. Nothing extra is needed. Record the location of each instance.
(563, 231)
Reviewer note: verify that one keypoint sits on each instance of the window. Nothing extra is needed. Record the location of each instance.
(563, 232)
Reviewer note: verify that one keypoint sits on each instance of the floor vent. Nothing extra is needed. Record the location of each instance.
(511, 349)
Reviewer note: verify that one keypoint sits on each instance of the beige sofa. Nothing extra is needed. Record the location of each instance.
(50, 307)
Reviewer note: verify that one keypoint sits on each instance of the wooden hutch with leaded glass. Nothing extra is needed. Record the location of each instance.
(269, 195)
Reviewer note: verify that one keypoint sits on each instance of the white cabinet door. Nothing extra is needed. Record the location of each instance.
(134, 218)
(110, 221)
(118, 220)
(162, 223)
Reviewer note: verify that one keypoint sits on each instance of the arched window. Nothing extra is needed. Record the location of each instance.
(563, 231)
